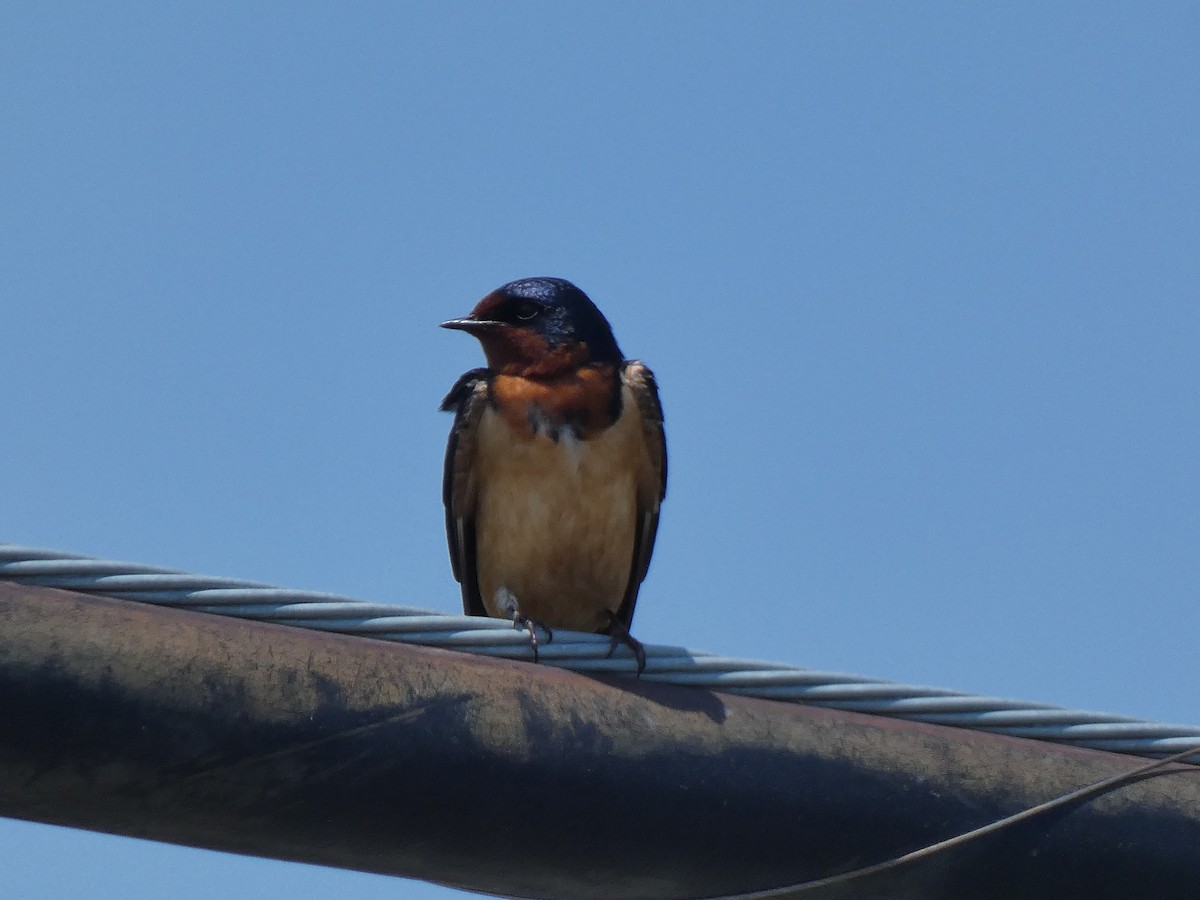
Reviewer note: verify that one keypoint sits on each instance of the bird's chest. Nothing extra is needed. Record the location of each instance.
(555, 483)
(556, 517)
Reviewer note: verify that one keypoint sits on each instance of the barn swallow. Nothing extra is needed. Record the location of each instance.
(555, 468)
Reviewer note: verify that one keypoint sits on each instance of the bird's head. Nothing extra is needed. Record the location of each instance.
(539, 327)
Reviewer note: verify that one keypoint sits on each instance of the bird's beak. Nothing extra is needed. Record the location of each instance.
(473, 326)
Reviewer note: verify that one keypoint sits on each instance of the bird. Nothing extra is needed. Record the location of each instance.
(556, 466)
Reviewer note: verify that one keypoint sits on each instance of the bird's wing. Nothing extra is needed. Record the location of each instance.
(467, 398)
(651, 480)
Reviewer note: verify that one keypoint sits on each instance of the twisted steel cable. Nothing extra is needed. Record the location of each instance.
(590, 652)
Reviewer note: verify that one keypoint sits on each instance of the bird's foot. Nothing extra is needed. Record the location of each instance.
(618, 633)
(506, 602)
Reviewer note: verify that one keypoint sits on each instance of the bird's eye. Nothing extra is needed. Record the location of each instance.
(527, 311)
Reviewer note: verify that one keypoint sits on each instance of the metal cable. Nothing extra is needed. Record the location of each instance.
(590, 652)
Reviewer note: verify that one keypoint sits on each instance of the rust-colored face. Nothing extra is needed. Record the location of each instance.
(539, 328)
(513, 342)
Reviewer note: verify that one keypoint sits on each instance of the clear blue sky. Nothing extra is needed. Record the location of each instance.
(919, 281)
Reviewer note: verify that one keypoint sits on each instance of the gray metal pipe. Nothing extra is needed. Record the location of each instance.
(522, 780)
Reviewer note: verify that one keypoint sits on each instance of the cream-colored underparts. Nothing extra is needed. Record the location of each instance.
(556, 520)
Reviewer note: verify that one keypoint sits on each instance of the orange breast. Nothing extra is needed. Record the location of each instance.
(582, 400)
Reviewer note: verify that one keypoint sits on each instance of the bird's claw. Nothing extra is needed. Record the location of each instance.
(531, 626)
(506, 600)
(618, 633)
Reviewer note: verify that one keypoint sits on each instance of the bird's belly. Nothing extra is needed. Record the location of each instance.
(555, 523)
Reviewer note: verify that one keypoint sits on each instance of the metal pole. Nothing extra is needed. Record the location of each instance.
(523, 780)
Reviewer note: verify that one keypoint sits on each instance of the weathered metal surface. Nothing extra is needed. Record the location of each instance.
(530, 781)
